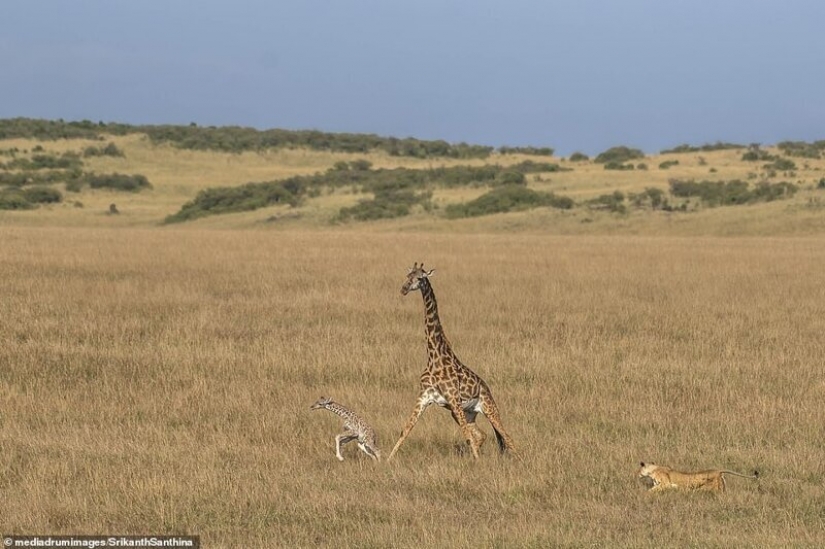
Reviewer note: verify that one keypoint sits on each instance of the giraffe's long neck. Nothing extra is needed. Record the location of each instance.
(436, 340)
(338, 409)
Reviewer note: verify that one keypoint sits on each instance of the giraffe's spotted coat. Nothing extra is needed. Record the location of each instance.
(446, 381)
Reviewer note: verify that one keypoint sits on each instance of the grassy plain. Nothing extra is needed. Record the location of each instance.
(158, 380)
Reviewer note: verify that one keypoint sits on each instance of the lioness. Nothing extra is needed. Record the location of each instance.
(659, 477)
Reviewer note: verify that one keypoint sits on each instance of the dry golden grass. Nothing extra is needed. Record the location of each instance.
(158, 380)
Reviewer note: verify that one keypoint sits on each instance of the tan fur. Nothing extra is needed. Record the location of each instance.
(659, 478)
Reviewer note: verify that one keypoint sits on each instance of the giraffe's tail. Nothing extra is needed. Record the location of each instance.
(489, 409)
(502, 444)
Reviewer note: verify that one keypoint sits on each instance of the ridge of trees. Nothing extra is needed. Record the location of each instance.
(238, 139)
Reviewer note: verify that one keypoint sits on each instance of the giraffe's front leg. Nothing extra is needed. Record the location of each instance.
(420, 406)
(340, 440)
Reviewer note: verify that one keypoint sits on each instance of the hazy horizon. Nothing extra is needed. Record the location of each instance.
(575, 76)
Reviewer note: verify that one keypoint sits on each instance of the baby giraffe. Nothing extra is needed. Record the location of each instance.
(355, 428)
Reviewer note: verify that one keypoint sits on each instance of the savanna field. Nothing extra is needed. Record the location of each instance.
(157, 378)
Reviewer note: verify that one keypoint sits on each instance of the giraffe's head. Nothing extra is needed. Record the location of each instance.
(414, 278)
(322, 402)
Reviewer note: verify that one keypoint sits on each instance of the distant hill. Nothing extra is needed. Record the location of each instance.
(79, 173)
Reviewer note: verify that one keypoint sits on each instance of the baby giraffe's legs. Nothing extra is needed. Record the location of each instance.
(367, 450)
(340, 440)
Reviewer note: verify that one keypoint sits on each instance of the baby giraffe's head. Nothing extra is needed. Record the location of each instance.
(322, 402)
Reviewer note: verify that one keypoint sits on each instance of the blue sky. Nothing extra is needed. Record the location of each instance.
(572, 74)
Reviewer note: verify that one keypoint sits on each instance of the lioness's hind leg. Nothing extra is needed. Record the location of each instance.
(478, 435)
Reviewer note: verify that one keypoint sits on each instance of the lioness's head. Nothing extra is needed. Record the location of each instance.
(645, 474)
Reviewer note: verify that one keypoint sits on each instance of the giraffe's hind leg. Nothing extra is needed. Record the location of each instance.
(490, 411)
(367, 450)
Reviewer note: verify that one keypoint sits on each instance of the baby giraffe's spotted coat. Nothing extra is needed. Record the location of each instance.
(355, 428)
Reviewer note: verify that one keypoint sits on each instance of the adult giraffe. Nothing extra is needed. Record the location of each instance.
(446, 381)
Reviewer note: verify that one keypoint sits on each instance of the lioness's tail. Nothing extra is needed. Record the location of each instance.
(755, 474)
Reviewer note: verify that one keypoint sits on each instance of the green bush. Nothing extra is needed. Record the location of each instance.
(67, 160)
(768, 192)
(459, 176)
(618, 155)
(508, 198)
(667, 164)
(712, 193)
(74, 184)
(510, 177)
(118, 182)
(47, 129)
(721, 193)
(109, 150)
(15, 179)
(651, 197)
(756, 154)
(578, 157)
(360, 165)
(41, 195)
(385, 205)
(613, 202)
(618, 166)
(802, 149)
(537, 151)
(13, 199)
(781, 165)
(425, 149)
(251, 196)
(718, 146)
(20, 179)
